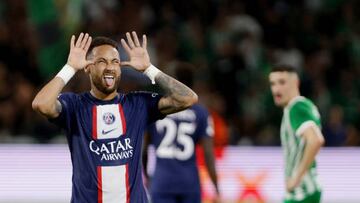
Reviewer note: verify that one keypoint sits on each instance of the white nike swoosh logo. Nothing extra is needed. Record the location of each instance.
(108, 131)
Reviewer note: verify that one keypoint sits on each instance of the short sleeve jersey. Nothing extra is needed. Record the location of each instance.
(299, 115)
(174, 139)
(105, 139)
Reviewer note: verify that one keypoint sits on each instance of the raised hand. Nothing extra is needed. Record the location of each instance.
(78, 50)
(138, 56)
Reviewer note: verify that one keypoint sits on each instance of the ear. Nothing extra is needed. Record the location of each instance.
(297, 80)
(87, 68)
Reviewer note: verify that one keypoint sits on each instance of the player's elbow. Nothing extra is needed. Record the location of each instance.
(188, 101)
(40, 106)
(318, 141)
(321, 141)
(313, 137)
(36, 105)
(193, 99)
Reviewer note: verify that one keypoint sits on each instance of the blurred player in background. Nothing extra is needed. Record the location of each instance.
(105, 128)
(176, 177)
(301, 136)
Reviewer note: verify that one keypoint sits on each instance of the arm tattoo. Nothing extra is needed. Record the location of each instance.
(172, 87)
(178, 95)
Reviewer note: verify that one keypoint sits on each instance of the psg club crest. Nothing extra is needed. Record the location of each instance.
(109, 118)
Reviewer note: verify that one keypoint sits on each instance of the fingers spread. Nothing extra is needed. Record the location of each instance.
(136, 39)
(88, 43)
(130, 41)
(126, 47)
(83, 42)
(72, 41)
(144, 44)
(79, 40)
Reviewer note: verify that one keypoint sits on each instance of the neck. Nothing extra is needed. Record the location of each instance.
(102, 96)
(291, 99)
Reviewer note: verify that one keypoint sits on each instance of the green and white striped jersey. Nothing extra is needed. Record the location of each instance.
(298, 115)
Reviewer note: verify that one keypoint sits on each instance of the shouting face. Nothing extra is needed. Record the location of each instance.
(284, 86)
(105, 70)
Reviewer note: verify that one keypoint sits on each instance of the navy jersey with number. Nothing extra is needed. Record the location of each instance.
(174, 139)
(105, 139)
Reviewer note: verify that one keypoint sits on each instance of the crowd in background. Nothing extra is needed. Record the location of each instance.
(230, 43)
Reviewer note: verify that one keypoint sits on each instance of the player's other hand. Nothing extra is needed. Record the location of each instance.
(78, 50)
(138, 55)
(292, 183)
(217, 199)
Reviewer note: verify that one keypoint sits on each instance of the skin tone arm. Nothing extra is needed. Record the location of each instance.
(208, 147)
(45, 102)
(177, 95)
(313, 143)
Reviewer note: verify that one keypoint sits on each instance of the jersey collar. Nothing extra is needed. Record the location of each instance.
(99, 101)
(293, 101)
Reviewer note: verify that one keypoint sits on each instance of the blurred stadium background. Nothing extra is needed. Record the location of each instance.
(232, 44)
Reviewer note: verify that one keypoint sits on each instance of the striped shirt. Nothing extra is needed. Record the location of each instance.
(105, 139)
(299, 115)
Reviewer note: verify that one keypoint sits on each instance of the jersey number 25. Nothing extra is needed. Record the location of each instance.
(175, 134)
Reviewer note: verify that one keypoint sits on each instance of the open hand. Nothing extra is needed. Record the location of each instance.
(78, 50)
(138, 56)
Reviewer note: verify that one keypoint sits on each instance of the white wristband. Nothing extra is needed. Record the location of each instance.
(151, 72)
(66, 73)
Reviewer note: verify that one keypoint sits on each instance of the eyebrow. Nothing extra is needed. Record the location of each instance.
(102, 58)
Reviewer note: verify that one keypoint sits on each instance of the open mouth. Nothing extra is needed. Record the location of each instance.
(277, 96)
(109, 80)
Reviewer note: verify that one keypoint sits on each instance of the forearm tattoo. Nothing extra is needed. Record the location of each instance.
(178, 93)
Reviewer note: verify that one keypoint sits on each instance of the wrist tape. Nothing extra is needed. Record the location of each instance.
(66, 73)
(151, 72)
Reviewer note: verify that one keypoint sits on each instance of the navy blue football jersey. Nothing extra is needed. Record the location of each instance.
(174, 139)
(105, 140)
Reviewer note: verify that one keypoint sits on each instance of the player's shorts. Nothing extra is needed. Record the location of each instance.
(175, 198)
(314, 198)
